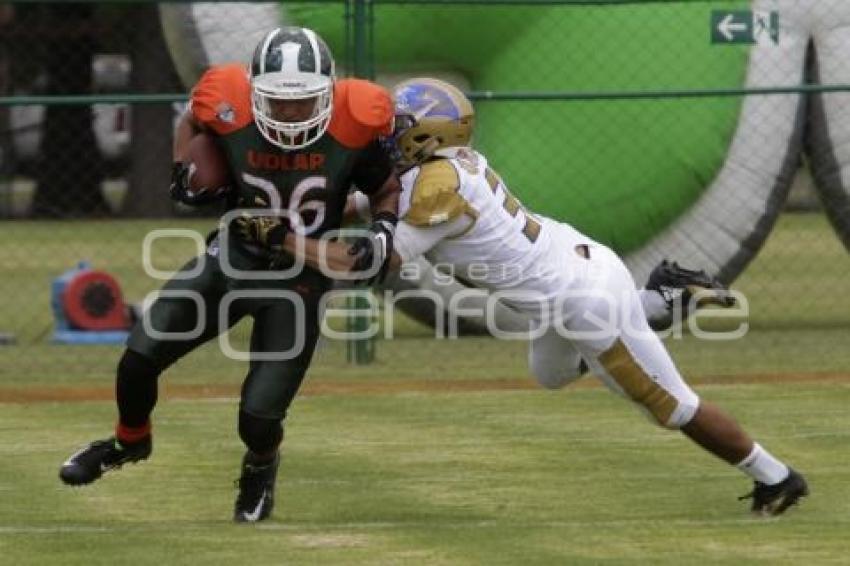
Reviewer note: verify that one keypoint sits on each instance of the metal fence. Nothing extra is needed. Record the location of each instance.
(665, 129)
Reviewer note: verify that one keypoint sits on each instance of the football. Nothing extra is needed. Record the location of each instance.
(208, 168)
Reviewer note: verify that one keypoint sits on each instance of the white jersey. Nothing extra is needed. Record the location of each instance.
(459, 214)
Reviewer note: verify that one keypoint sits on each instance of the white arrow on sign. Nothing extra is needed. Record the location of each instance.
(728, 27)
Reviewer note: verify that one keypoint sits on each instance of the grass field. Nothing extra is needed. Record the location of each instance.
(496, 476)
(442, 452)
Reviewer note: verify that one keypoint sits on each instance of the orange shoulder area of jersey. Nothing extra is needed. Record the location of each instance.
(221, 100)
(362, 111)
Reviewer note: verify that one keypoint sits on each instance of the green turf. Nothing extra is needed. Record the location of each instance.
(486, 477)
(761, 352)
(574, 477)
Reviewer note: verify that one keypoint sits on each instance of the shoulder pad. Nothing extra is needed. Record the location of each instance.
(362, 112)
(434, 197)
(221, 100)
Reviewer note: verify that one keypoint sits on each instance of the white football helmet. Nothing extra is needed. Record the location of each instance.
(291, 64)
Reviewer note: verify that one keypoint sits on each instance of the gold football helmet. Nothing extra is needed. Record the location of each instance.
(431, 115)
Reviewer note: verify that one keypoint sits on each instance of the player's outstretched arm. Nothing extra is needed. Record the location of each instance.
(274, 234)
(322, 255)
(358, 210)
(375, 248)
(385, 199)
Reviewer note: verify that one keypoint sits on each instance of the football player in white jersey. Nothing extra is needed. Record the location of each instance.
(456, 211)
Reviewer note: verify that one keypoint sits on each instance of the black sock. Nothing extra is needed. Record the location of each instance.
(136, 389)
(261, 436)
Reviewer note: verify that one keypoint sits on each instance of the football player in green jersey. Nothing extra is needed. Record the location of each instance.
(296, 140)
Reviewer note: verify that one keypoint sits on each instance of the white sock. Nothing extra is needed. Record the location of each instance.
(654, 305)
(762, 466)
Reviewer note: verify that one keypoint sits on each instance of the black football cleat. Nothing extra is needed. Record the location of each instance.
(679, 286)
(769, 500)
(256, 491)
(89, 463)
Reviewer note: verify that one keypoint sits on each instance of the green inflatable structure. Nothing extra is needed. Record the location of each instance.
(620, 170)
(699, 179)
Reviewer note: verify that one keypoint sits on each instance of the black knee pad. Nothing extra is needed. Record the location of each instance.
(260, 435)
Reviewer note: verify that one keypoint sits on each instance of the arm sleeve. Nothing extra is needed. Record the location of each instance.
(372, 169)
(413, 241)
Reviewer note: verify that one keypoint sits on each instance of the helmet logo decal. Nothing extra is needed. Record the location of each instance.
(431, 103)
(289, 53)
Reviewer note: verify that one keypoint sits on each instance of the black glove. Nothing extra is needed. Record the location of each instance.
(179, 188)
(180, 191)
(376, 248)
(264, 231)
